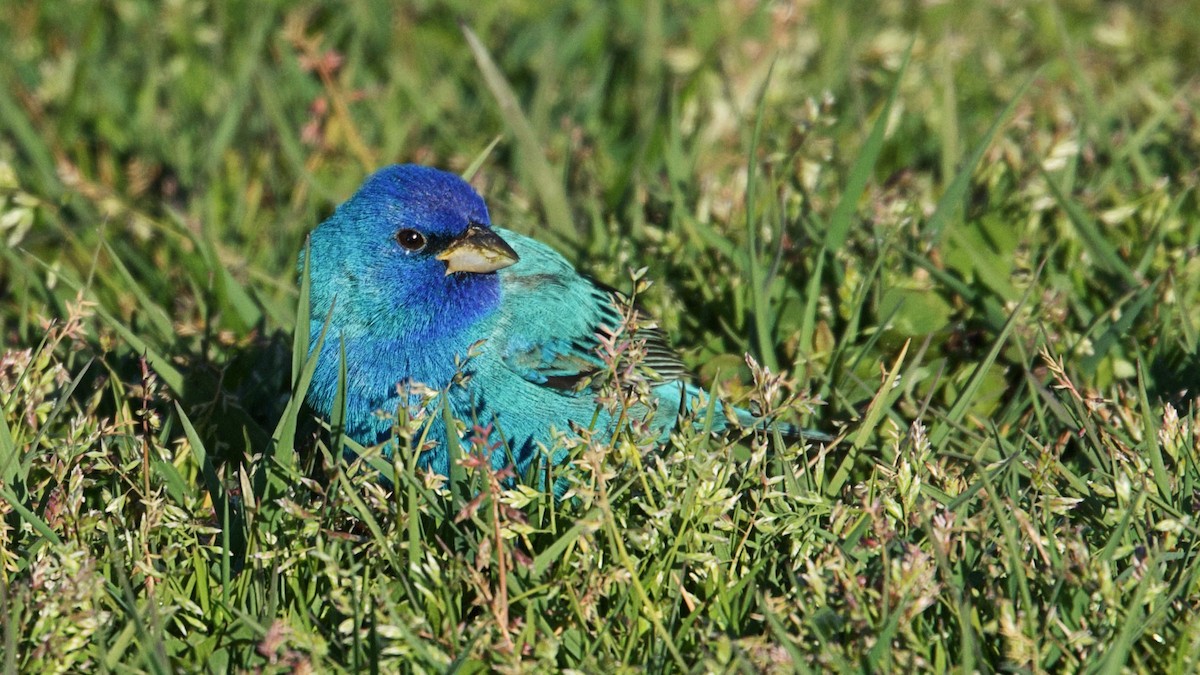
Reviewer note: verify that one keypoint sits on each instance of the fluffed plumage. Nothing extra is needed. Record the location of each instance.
(413, 277)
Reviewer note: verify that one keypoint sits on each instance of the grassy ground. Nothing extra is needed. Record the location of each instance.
(975, 261)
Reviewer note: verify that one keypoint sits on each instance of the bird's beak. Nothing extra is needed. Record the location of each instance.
(478, 250)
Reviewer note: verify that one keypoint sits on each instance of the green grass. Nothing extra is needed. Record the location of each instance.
(963, 236)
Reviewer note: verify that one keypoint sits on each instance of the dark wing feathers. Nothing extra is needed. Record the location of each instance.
(557, 346)
(661, 358)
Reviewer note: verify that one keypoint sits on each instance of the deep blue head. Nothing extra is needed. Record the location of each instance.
(410, 255)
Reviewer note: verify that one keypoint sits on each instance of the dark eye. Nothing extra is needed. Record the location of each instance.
(411, 240)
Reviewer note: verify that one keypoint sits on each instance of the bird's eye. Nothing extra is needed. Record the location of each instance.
(411, 240)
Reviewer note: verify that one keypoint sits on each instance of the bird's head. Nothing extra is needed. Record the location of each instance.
(411, 253)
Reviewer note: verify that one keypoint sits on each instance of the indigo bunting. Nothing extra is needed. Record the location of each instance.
(421, 288)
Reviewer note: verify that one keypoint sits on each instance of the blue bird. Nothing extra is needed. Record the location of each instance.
(421, 288)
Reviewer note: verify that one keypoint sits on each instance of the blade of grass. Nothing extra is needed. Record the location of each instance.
(10, 461)
(150, 633)
(125, 282)
(59, 406)
(249, 63)
(812, 298)
(547, 181)
(952, 199)
(366, 515)
(30, 517)
(459, 493)
(215, 490)
(303, 332)
(760, 314)
(942, 427)
(842, 219)
(1150, 435)
(880, 404)
(18, 125)
(554, 553)
(304, 365)
(161, 365)
(337, 416)
(480, 159)
(1116, 657)
(1112, 337)
(1097, 244)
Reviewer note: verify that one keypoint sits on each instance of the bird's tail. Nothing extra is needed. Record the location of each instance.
(697, 400)
(747, 420)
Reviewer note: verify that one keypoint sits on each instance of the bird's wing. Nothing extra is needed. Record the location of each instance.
(552, 320)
